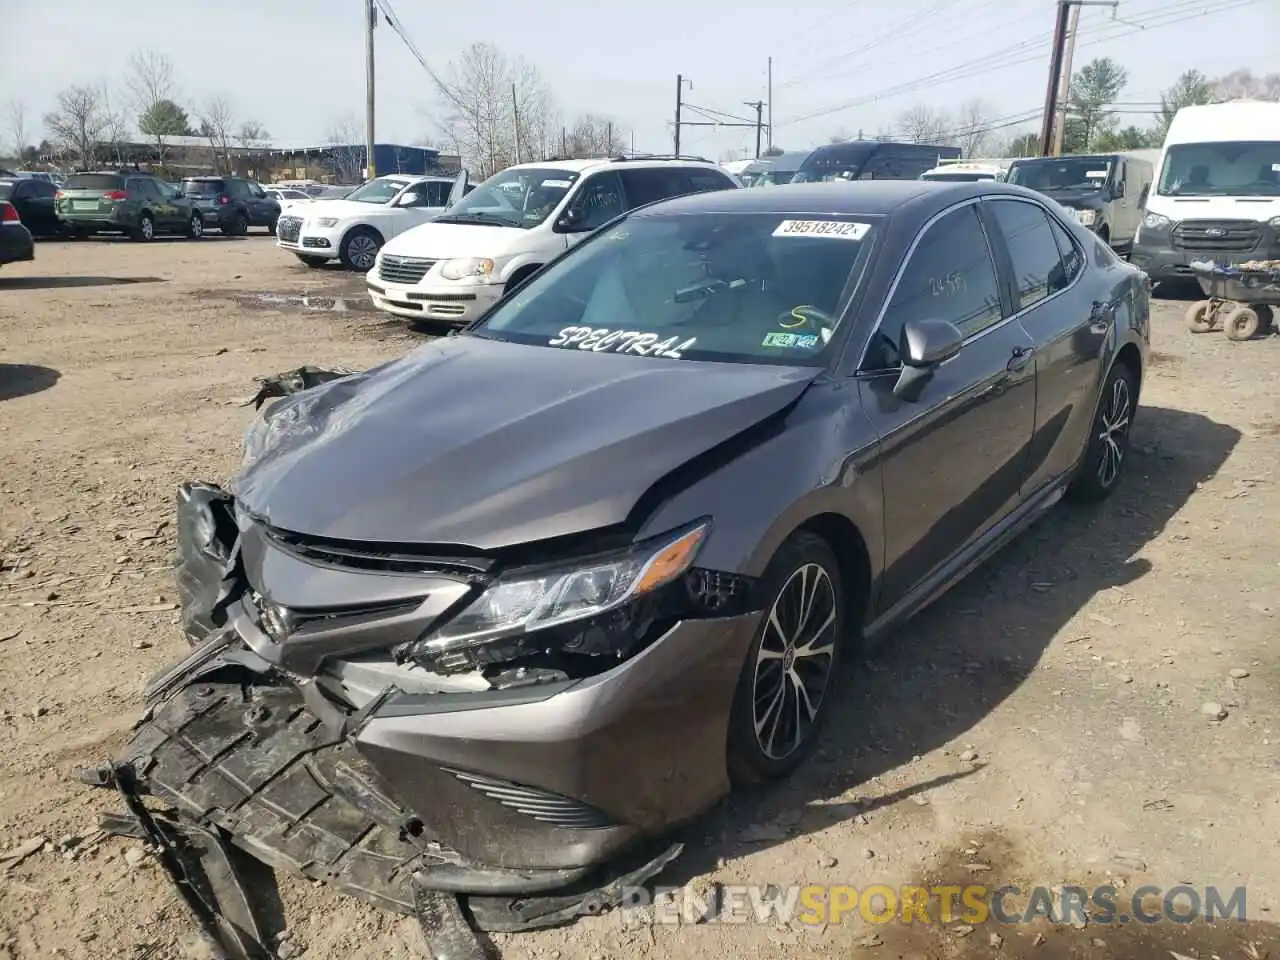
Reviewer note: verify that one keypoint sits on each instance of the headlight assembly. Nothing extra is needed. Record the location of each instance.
(467, 268)
(1086, 217)
(533, 599)
(1155, 221)
(324, 222)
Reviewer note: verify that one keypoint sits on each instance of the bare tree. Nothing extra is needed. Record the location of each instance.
(922, 123)
(215, 119)
(250, 133)
(594, 136)
(972, 130)
(346, 150)
(1243, 84)
(151, 80)
(115, 125)
(495, 109)
(78, 122)
(18, 132)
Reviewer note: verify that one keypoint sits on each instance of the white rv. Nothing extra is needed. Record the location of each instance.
(1217, 191)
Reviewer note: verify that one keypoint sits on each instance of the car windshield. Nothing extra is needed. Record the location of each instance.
(93, 181)
(202, 188)
(1229, 169)
(517, 197)
(1075, 173)
(742, 288)
(377, 191)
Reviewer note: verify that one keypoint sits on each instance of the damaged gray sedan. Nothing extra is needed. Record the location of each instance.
(475, 630)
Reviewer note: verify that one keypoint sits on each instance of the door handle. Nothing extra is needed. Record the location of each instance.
(1020, 358)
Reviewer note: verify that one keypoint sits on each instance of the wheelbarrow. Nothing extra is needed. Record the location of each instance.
(1242, 298)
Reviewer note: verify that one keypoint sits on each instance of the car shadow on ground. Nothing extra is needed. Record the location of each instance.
(948, 668)
(1186, 291)
(23, 379)
(164, 238)
(60, 283)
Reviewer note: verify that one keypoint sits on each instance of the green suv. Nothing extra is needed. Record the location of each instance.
(136, 204)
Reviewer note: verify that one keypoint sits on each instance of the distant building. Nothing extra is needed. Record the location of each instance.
(268, 160)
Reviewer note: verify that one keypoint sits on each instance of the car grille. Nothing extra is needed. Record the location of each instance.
(288, 228)
(406, 270)
(542, 806)
(1217, 234)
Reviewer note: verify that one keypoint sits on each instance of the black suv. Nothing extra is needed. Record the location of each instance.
(232, 204)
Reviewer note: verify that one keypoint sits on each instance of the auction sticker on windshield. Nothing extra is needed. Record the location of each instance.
(796, 340)
(839, 229)
(605, 340)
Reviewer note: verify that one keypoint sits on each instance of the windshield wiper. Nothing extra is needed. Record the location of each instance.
(478, 219)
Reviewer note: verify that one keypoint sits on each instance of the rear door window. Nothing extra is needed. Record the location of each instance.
(647, 185)
(1038, 270)
(93, 181)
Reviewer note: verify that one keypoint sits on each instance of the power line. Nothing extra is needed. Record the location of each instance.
(982, 65)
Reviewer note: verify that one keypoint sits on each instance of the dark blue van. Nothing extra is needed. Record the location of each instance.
(872, 160)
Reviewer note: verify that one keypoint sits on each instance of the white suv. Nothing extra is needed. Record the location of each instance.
(455, 267)
(354, 228)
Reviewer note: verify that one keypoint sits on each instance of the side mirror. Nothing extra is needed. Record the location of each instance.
(1118, 190)
(924, 346)
(408, 199)
(570, 221)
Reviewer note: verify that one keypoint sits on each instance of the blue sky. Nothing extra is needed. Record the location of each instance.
(838, 66)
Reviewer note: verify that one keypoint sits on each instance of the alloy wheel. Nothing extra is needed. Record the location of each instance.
(147, 228)
(794, 663)
(363, 251)
(1113, 423)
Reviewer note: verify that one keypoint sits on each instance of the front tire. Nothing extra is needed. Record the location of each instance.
(1108, 447)
(359, 249)
(145, 230)
(785, 684)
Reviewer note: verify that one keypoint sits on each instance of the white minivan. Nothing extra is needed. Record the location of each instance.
(453, 268)
(1217, 193)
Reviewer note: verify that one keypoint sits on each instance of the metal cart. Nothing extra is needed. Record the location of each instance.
(1242, 300)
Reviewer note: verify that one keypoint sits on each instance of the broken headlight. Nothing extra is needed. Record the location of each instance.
(535, 599)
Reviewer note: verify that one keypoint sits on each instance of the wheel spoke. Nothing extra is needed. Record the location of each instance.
(810, 647)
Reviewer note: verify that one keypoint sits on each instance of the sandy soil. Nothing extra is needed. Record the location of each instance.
(1044, 722)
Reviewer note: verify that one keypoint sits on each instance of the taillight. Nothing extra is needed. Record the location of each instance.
(115, 195)
(59, 195)
(9, 213)
(224, 200)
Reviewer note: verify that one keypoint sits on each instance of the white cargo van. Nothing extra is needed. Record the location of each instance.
(1217, 192)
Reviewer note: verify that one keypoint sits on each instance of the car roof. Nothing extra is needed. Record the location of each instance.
(583, 164)
(867, 198)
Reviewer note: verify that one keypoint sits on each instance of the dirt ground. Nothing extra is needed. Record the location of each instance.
(1043, 723)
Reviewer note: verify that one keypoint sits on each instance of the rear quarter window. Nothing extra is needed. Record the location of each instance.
(93, 181)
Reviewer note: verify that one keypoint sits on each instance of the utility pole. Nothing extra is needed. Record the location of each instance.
(1064, 88)
(1055, 67)
(679, 95)
(370, 17)
(771, 103)
(515, 114)
(564, 143)
(608, 137)
(758, 105)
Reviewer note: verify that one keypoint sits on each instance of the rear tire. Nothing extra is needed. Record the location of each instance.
(195, 226)
(796, 651)
(1107, 450)
(1242, 323)
(237, 227)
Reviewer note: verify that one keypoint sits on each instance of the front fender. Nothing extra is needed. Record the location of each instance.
(822, 461)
